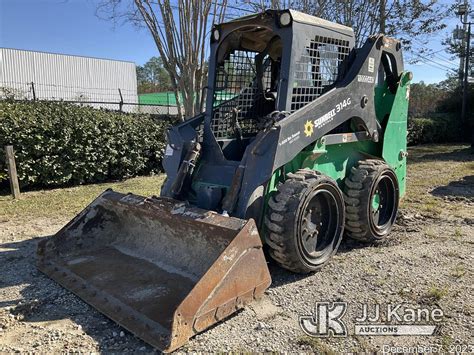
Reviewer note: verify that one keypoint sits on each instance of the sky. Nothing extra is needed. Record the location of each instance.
(72, 27)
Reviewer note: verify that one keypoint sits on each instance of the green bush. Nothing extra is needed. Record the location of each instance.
(65, 144)
(440, 128)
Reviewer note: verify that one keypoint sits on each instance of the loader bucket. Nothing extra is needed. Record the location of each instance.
(161, 269)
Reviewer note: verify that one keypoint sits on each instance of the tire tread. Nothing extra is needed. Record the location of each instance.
(280, 217)
(358, 186)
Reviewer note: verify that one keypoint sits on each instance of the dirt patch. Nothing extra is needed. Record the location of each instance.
(426, 262)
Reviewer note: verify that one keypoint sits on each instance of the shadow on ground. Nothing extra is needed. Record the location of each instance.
(426, 154)
(461, 188)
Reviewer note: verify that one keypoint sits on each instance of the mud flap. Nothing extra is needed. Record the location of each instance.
(161, 269)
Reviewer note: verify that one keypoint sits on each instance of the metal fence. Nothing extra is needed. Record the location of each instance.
(123, 100)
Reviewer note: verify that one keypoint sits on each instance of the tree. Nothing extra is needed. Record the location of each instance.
(153, 77)
(179, 30)
(426, 99)
(404, 19)
(452, 101)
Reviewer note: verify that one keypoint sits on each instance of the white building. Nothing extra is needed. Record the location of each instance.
(49, 76)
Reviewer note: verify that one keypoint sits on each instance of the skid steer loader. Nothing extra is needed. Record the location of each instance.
(303, 137)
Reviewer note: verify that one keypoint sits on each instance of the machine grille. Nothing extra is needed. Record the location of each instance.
(317, 69)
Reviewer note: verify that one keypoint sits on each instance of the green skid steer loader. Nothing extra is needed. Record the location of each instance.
(303, 137)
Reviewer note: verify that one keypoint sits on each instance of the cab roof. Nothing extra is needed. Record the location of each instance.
(299, 17)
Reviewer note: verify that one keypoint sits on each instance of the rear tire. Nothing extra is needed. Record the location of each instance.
(305, 221)
(371, 197)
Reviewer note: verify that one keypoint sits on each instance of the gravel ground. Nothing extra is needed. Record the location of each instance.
(426, 262)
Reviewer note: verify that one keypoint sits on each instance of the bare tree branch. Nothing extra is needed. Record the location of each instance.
(405, 19)
(179, 29)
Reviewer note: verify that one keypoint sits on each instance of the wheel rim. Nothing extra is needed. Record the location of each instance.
(320, 225)
(383, 203)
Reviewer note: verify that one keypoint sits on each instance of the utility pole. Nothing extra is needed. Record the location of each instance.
(463, 44)
(383, 6)
(463, 11)
(466, 73)
(466, 84)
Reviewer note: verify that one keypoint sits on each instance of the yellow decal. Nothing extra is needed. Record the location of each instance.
(308, 128)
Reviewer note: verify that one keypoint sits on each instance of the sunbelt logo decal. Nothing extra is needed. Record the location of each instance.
(308, 128)
(320, 122)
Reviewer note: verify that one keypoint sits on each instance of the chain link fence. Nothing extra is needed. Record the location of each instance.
(122, 100)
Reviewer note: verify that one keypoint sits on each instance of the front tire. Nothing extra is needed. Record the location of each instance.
(305, 221)
(371, 196)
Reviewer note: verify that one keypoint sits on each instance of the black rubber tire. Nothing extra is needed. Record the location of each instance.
(365, 222)
(288, 220)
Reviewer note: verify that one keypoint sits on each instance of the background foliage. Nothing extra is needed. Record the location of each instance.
(434, 114)
(65, 144)
(442, 128)
(59, 144)
(153, 77)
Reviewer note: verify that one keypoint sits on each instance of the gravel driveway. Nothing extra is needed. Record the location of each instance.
(426, 262)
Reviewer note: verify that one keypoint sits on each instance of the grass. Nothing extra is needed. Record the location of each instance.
(458, 233)
(451, 254)
(315, 344)
(433, 208)
(446, 342)
(67, 202)
(430, 233)
(369, 270)
(458, 271)
(430, 166)
(380, 282)
(435, 294)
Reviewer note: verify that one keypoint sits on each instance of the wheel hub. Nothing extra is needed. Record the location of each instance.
(376, 201)
(319, 223)
(383, 202)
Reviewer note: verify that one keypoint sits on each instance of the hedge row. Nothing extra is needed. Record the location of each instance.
(440, 128)
(65, 144)
(60, 144)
